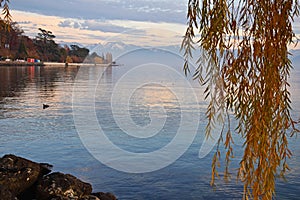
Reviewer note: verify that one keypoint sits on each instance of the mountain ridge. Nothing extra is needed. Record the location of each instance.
(120, 48)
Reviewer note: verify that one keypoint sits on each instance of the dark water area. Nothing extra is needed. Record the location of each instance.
(51, 135)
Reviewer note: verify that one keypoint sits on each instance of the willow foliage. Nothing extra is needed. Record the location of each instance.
(247, 75)
(6, 12)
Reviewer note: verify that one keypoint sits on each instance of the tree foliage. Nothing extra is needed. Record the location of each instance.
(22, 51)
(49, 50)
(13, 43)
(78, 54)
(247, 75)
(46, 46)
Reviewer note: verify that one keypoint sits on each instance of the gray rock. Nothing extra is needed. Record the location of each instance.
(90, 197)
(22, 179)
(62, 186)
(17, 175)
(105, 196)
(6, 194)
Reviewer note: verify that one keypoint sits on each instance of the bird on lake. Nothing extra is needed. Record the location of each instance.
(45, 106)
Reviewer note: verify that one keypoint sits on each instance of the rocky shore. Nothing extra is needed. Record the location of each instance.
(22, 179)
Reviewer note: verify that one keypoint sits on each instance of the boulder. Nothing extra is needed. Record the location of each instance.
(62, 186)
(17, 175)
(22, 179)
(105, 196)
(90, 197)
(6, 194)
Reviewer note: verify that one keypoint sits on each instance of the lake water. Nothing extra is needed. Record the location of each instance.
(128, 107)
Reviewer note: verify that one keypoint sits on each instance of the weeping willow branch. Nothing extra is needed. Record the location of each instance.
(247, 73)
(6, 13)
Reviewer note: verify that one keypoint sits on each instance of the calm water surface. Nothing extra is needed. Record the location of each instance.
(50, 135)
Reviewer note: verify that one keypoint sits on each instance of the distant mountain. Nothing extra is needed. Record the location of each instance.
(116, 48)
(296, 58)
(119, 48)
(295, 52)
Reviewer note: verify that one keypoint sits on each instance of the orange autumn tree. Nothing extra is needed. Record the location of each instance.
(246, 74)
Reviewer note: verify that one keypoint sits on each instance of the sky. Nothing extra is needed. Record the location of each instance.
(139, 22)
(148, 22)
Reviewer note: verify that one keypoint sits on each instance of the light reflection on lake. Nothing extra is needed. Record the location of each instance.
(50, 136)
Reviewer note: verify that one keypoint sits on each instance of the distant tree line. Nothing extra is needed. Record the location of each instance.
(15, 45)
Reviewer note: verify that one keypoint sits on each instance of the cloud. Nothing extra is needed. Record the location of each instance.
(24, 22)
(91, 20)
(142, 10)
(69, 23)
(70, 30)
(88, 21)
(95, 25)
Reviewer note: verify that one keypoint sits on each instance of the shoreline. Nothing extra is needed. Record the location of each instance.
(18, 63)
(73, 64)
(41, 64)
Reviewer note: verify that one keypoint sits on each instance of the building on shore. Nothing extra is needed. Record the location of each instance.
(108, 58)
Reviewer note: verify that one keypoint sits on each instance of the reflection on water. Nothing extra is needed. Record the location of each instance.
(23, 90)
(50, 136)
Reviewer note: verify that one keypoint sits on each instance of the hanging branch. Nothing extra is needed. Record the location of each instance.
(247, 74)
(6, 13)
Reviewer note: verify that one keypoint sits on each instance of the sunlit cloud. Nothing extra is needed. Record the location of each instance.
(91, 31)
(94, 25)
